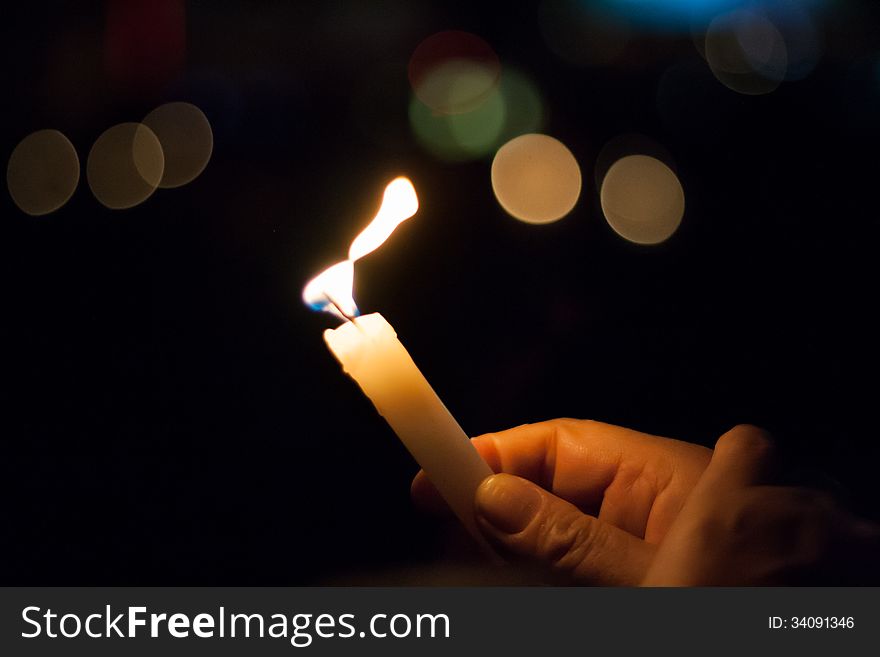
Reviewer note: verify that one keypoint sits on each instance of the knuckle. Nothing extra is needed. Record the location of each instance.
(560, 423)
(572, 423)
(569, 541)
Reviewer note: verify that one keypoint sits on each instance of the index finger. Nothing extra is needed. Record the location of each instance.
(576, 459)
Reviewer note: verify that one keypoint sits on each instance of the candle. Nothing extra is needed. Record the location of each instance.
(369, 351)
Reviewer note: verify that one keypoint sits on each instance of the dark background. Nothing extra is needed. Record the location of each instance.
(171, 414)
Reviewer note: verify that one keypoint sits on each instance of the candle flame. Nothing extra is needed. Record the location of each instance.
(332, 289)
(399, 203)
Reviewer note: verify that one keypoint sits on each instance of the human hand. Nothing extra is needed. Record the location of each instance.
(736, 530)
(607, 496)
(626, 508)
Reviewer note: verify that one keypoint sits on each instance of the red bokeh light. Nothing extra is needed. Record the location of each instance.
(144, 43)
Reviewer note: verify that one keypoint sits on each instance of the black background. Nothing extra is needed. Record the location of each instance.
(171, 414)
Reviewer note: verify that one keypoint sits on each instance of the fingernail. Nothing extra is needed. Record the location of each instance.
(507, 503)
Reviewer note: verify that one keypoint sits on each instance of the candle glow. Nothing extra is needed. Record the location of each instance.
(333, 289)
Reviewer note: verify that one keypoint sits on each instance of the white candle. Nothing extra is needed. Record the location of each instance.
(371, 354)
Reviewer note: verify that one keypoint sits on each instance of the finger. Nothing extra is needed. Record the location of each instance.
(742, 457)
(426, 497)
(523, 519)
(579, 460)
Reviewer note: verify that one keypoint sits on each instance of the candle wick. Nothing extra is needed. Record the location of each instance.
(335, 304)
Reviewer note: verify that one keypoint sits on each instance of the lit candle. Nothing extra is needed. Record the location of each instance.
(369, 351)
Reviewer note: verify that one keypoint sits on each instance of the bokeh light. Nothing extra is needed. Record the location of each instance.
(580, 35)
(680, 16)
(624, 145)
(803, 40)
(512, 108)
(125, 165)
(524, 105)
(536, 179)
(187, 142)
(434, 131)
(746, 52)
(144, 43)
(43, 172)
(221, 97)
(453, 72)
(477, 132)
(642, 199)
(796, 23)
(666, 14)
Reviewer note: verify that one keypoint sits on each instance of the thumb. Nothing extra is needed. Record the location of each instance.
(524, 519)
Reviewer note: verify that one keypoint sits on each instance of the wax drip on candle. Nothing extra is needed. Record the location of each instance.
(332, 289)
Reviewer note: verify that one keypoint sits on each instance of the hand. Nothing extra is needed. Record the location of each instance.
(736, 530)
(613, 495)
(626, 508)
